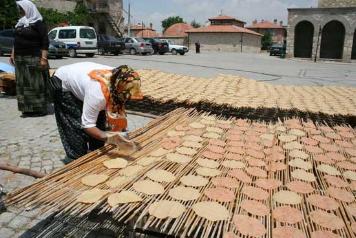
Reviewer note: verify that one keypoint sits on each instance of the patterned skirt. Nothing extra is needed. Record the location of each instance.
(31, 85)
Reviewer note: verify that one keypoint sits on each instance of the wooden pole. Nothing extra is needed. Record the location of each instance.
(16, 169)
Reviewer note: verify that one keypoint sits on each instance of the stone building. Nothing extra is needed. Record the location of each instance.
(277, 30)
(225, 33)
(326, 32)
(107, 15)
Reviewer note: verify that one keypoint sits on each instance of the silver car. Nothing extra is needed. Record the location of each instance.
(137, 46)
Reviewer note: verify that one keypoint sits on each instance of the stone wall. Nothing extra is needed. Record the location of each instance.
(319, 17)
(227, 42)
(60, 5)
(337, 3)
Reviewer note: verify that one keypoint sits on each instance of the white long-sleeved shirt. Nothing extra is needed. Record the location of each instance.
(75, 79)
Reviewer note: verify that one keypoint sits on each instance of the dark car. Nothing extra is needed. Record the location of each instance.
(277, 49)
(6, 41)
(57, 49)
(110, 44)
(159, 47)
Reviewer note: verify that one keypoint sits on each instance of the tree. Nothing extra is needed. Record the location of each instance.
(80, 16)
(266, 41)
(8, 14)
(171, 21)
(52, 17)
(195, 24)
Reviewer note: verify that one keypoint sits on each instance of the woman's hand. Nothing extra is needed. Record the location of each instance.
(43, 63)
(12, 58)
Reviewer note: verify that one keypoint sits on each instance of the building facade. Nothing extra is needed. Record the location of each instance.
(326, 32)
(277, 30)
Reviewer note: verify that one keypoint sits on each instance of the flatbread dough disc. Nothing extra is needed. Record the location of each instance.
(293, 146)
(194, 181)
(215, 130)
(178, 158)
(240, 175)
(193, 138)
(160, 175)
(184, 193)
(303, 175)
(268, 184)
(255, 162)
(287, 138)
(208, 163)
(298, 154)
(123, 197)
(287, 231)
(207, 172)
(94, 179)
(301, 164)
(256, 172)
(148, 187)
(92, 196)
(249, 226)
(220, 194)
(233, 164)
(118, 163)
(166, 209)
(336, 181)
(159, 152)
(255, 208)
(197, 125)
(174, 133)
(211, 135)
(330, 170)
(255, 193)
(131, 171)
(208, 122)
(226, 182)
(287, 197)
(340, 194)
(350, 175)
(146, 161)
(324, 234)
(211, 211)
(117, 182)
(297, 132)
(186, 151)
(323, 202)
(268, 137)
(192, 144)
(300, 187)
(216, 149)
(327, 220)
(287, 214)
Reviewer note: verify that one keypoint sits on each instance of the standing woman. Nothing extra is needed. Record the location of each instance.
(29, 55)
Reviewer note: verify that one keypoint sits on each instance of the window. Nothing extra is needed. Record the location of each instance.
(67, 34)
(52, 35)
(87, 33)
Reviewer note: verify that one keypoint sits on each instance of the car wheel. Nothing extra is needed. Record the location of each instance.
(72, 53)
(116, 53)
(161, 53)
(133, 51)
(174, 52)
(101, 51)
(90, 55)
(182, 53)
(59, 57)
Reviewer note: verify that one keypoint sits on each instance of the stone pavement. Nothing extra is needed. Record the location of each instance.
(31, 143)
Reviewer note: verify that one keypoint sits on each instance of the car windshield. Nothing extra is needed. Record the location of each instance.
(277, 46)
(87, 33)
(140, 40)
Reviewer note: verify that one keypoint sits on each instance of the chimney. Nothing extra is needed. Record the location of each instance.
(281, 23)
(254, 22)
(275, 21)
(151, 26)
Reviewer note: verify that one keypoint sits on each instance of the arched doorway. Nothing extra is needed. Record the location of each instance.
(303, 39)
(353, 55)
(332, 40)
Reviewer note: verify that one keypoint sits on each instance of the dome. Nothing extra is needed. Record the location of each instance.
(178, 30)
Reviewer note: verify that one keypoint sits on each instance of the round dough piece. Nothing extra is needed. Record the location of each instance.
(256, 172)
(309, 141)
(327, 220)
(255, 208)
(324, 234)
(300, 187)
(249, 226)
(336, 181)
(351, 209)
(160, 175)
(268, 184)
(287, 197)
(211, 135)
(170, 143)
(298, 154)
(184, 193)
(351, 175)
(225, 182)
(117, 163)
(193, 138)
(123, 197)
(240, 175)
(303, 175)
(255, 193)
(92, 196)
(131, 171)
(166, 209)
(287, 214)
(255, 162)
(94, 179)
(178, 158)
(233, 164)
(313, 149)
(208, 163)
(148, 187)
(220, 194)
(216, 149)
(174, 133)
(297, 132)
(301, 164)
(215, 130)
(197, 125)
(340, 194)
(117, 182)
(212, 155)
(186, 151)
(287, 231)
(330, 170)
(194, 181)
(323, 202)
(159, 152)
(287, 138)
(192, 144)
(211, 211)
(293, 146)
(146, 161)
(217, 142)
(347, 165)
(207, 172)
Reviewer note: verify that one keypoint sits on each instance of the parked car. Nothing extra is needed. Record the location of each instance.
(176, 49)
(57, 49)
(159, 47)
(110, 44)
(78, 39)
(137, 46)
(277, 49)
(6, 41)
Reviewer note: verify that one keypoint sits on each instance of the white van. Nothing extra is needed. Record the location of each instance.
(79, 39)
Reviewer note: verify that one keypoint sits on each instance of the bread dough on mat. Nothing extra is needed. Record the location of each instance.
(313, 149)
(207, 172)
(226, 182)
(268, 137)
(92, 196)
(148, 187)
(117, 182)
(215, 130)
(268, 184)
(211, 155)
(178, 158)
(287, 197)
(301, 164)
(255, 162)
(194, 181)
(186, 151)
(309, 141)
(146, 161)
(300, 187)
(351, 209)
(327, 220)
(160, 175)
(255, 193)
(249, 226)
(184, 193)
(122, 198)
(175, 133)
(166, 209)
(159, 152)
(193, 138)
(94, 179)
(211, 211)
(197, 125)
(208, 122)
(293, 146)
(240, 175)
(324, 234)
(347, 165)
(340, 194)
(330, 170)
(255, 208)
(336, 181)
(118, 163)
(130, 171)
(287, 232)
(216, 149)
(296, 132)
(287, 138)
(220, 194)
(170, 143)
(287, 214)
(303, 175)
(182, 128)
(217, 142)
(211, 135)
(350, 175)
(298, 154)
(256, 172)
(323, 202)
(233, 164)
(208, 163)
(192, 144)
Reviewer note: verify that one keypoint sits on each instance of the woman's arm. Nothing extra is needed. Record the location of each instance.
(42, 29)
(96, 133)
(12, 57)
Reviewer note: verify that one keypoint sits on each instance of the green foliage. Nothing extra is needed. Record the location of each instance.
(8, 14)
(80, 16)
(195, 24)
(171, 21)
(266, 41)
(52, 17)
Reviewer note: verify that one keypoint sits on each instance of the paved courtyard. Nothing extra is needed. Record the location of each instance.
(34, 142)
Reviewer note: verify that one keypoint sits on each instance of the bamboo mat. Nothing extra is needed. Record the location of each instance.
(270, 144)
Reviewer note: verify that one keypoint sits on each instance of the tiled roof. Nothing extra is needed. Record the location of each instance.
(178, 30)
(265, 25)
(223, 29)
(224, 17)
(147, 33)
(139, 27)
